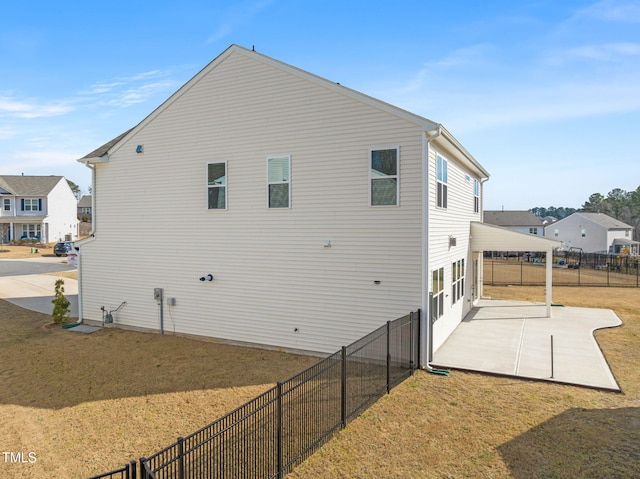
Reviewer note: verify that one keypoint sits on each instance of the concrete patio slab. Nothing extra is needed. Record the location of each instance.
(514, 338)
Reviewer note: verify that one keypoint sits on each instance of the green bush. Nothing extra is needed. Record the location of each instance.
(60, 304)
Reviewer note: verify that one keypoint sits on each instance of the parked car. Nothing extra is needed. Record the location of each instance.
(62, 248)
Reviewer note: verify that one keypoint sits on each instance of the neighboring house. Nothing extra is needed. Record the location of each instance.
(522, 221)
(594, 233)
(84, 208)
(262, 204)
(37, 208)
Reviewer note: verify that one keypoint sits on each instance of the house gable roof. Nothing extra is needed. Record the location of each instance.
(426, 124)
(85, 201)
(20, 185)
(511, 218)
(605, 220)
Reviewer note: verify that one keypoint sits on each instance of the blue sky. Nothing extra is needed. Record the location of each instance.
(545, 94)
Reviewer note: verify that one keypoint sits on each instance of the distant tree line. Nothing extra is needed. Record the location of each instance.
(619, 204)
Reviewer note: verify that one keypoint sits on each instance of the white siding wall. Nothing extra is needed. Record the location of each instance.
(274, 281)
(569, 232)
(61, 208)
(443, 223)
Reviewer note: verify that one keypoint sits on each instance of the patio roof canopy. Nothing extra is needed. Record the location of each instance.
(485, 237)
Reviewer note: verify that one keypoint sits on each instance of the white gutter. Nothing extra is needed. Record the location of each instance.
(426, 307)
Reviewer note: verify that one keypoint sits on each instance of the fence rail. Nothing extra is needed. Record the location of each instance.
(269, 435)
(569, 269)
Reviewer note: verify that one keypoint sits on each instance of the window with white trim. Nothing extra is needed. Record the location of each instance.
(31, 231)
(217, 186)
(279, 181)
(437, 290)
(7, 204)
(457, 280)
(31, 204)
(476, 196)
(533, 231)
(384, 177)
(442, 180)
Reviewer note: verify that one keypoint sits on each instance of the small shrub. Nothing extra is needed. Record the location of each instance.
(60, 304)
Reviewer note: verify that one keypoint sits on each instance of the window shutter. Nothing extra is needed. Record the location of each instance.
(39, 204)
(22, 204)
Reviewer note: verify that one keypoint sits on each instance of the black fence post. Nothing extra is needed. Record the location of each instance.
(417, 338)
(143, 470)
(279, 431)
(180, 458)
(388, 356)
(412, 365)
(343, 389)
(132, 470)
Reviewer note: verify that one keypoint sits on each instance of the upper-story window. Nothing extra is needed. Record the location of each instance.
(384, 177)
(279, 181)
(533, 231)
(7, 204)
(442, 180)
(217, 186)
(31, 204)
(476, 196)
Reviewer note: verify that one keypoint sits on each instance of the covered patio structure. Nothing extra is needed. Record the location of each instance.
(485, 237)
(522, 339)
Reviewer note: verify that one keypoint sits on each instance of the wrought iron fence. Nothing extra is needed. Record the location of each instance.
(128, 471)
(569, 269)
(269, 435)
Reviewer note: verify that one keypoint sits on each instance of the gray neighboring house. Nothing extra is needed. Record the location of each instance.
(84, 208)
(594, 233)
(521, 221)
(37, 208)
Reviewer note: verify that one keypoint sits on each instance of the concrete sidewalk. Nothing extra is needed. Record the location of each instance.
(514, 338)
(35, 292)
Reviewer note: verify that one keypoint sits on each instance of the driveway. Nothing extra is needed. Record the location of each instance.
(29, 284)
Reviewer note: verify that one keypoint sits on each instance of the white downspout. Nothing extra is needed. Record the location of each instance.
(426, 309)
(92, 232)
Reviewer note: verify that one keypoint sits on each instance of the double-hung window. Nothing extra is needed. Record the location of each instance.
(31, 204)
(437, 289)
(442, 176)
(7, 204)
(217, 186)
(384, 177)
(279, 181)
(31, 231)
(457, 280)
(476, 196)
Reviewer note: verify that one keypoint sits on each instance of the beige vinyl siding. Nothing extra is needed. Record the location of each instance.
(272, 273)
(443, 223)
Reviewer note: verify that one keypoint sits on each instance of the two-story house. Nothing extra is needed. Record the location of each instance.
(278, 208)
(516, 220)
(594, 233)
(84, 208)
(37, 208)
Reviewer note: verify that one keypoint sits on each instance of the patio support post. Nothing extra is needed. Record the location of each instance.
(549, 280)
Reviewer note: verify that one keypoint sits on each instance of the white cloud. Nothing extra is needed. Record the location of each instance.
(613, 11)
(30, 109)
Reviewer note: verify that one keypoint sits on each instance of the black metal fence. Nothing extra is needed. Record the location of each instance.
(269, 435)
(570, 268)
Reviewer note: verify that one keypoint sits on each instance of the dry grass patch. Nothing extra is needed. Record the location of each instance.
(86, 404)
(479, 426)
(24, 251)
